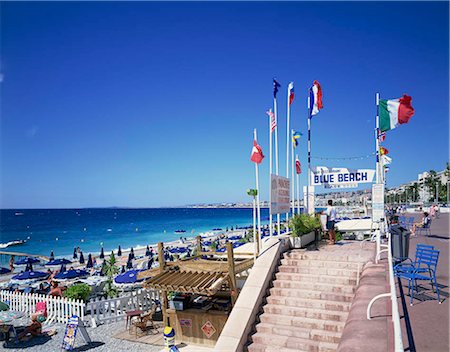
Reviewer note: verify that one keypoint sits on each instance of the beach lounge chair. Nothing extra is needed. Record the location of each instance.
(145, 322)
(424, 269)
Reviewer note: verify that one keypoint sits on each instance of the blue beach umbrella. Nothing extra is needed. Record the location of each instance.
(129, 264)
(75, 255)
(71, 274)
(4, 271)
(123, 269)
(89, 264)
(52, 256)
(102, 254)
(129, 277)
(132, 253)
(150, 263)
(27, 275)
(27, 260)
(81, 261)
(29, 267)
(119, 252)
(63, 268)
(147, 252)
(58, 262)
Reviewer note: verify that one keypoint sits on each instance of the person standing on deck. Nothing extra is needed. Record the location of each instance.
(331, 220)
(11, 264)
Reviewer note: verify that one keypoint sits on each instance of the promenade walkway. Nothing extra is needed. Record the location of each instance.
(430, 320)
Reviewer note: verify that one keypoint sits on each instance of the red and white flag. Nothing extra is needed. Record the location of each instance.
(298, 166)
(273, 121)
(257, 154)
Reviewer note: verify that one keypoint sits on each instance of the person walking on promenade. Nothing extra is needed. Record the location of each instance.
(432, 211)
(331, 219)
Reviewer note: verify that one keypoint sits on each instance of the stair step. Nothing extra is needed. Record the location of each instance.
(321, 271)
(305, 293)
(257, 347)
(294, 331)
(312, 313)
(316, 286)
(327, 256)
(295, 343)
(330, 305)
(321, 263)
(316, 278)
(302, 322)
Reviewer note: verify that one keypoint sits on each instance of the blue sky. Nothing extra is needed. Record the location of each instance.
(153, 104)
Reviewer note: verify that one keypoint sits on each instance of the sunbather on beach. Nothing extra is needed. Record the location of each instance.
(56, 291)
(35, 329)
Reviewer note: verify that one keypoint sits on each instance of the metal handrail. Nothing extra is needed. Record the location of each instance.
(398, 341)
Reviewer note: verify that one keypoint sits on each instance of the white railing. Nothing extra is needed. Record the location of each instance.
(398, 341)
(109, 310)
(59, 309)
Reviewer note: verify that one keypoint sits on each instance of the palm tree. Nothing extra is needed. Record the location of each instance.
(110, 270)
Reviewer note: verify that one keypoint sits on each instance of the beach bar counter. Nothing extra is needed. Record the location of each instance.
(198, 293)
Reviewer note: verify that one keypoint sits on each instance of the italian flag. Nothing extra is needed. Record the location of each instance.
(395, 112)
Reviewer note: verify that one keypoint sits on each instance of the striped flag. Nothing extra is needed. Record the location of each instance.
(257, 154)
(381, 136)
(298, 167)
(276, 85)
(291, 93)
(295, 137)
(395, 112)
(315, 99)
(273, 121)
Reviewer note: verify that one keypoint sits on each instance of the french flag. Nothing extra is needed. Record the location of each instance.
(315, 99)
(291, 93)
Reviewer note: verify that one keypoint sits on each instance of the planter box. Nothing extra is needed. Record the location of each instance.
(303, 240)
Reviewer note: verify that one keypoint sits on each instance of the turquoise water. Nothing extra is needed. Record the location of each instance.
(61, 230)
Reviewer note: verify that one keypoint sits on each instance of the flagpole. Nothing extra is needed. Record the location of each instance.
(270, 174)
(309, 154)
(292, 174)
(257, 197)
(298, 190)
(287, 143)
(377, 142)
(276, 153)
(255, 247)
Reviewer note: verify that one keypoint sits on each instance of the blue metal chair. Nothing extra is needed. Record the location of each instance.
(423, 269)
(425, 228)
(408, 265)
(402, 221)
(411, 222)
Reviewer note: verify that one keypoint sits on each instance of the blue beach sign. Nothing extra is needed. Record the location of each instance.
(322, 175)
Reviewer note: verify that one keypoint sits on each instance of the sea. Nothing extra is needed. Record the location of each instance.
(61, 230)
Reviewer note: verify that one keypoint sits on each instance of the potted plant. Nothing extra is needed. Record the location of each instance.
(304, 230)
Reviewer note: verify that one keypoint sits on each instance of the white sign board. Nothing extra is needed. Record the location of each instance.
(309, 199)
(322, 175)
(347, 185)
(280, 192)
(377, 202)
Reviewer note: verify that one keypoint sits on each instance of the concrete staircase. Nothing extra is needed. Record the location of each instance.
(309, 302)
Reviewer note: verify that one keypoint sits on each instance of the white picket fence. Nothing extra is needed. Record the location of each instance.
(59, 309)
(104, 311)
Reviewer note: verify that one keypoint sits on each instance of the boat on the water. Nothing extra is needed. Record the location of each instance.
(180, 231)
(12, 243)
